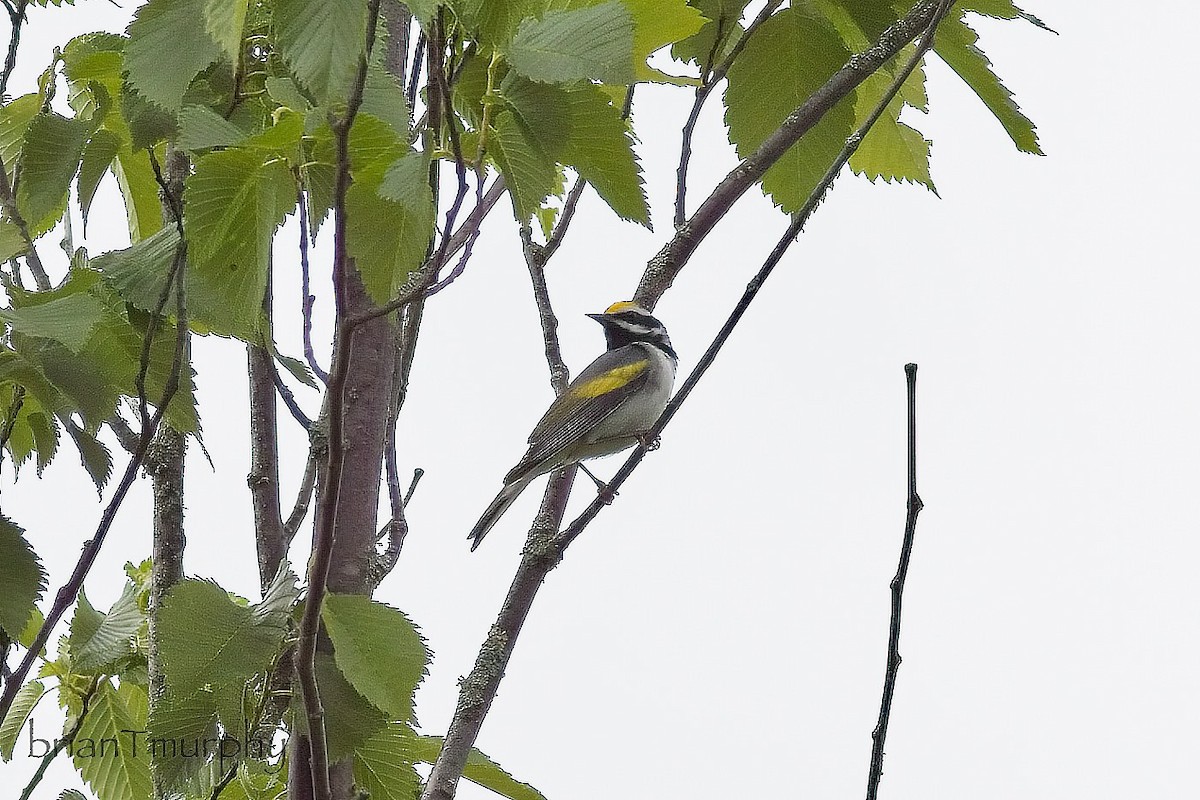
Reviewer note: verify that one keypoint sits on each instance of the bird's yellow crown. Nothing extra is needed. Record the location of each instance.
(624, 305)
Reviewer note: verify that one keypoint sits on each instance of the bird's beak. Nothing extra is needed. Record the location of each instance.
(601, 318)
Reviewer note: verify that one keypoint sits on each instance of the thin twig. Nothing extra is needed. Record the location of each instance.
(564, 219)
(303, 496)
(667, 263)
(307, 298)
(16, 16)
(879, 735)
(469, 248)
(327, 505)
(437, 75)
(710, 80)
(61, 744)
(415, 73)
(288, 397)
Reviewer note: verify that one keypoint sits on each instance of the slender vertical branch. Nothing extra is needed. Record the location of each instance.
(879, 735)
(327, 505)
(63, 743)
(263, 479)
(16, 16)
(307, 298)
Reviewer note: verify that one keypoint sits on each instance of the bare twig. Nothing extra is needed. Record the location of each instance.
(711, 79)
(327, 505)
(16, 16)
(879, 735)
(437, 76)
(307, 298)
(288, 397)
(479, 688)
(63, 743)
(564, 220)
(304, 496)
(415, 74)
(668, 262)
(263, 479)
(468, 248)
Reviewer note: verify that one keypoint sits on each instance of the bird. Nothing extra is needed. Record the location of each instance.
(608, 408)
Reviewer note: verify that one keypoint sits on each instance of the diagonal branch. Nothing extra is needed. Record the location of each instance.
(671, 259)
(879, 735)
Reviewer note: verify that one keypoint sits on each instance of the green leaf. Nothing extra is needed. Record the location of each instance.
(656, 24)
(224, 20)
(528, 172)
(407, 182)
(322, 43)
(22, 706)
(956, 45)
(791, 56)
(182, 720)
(139, 272)
(71, 794)
(201, 128)
(235, 200)
(168, 46)
(891, 150)
(97, 461)
(148, 123)
(378, 649)
(579, 127)
(114, 772)
(722, 18)
(15, 117)
(565, 46)
(383, 765)
(480, 769)
(12, 243)
(21, 575)
(384, 99)
(206, 639)
(297, 368)
(97, 157)
(99, 639)
(49, 159)
(135, 177)
(69, 319)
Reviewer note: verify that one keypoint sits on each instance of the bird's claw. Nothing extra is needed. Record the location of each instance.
(650, 445)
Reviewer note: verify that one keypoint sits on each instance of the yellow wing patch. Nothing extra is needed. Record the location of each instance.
(611, 381)
(624, 305)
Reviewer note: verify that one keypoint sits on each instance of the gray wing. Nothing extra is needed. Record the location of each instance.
(575, 411)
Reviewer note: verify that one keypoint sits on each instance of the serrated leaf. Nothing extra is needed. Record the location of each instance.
(201, 128)
(378, 649)
(139, 272)
(384, 99)
(656, 24)
(224, 20)
(565, 46)
(12, 243)
(322, 43)
(148, 123)
(407, 182)
(114, 773)
(100, 639)
(891, 150)
(71, 794)
(579, 127)
(350, 719)
(235, 200)
(528, 172)
(69, 319)
(21, 575)
(791, 56)
(480, 769)
(49, 158)
(168, 46)
(722, 20)
(383, 765)
(22, 706)
(955, 44)
(139, 189)
(297, 369)
(97, 461)
(15, 117)
(182, 721)
(97, 157)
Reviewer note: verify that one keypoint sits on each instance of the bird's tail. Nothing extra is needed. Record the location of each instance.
(495, 510)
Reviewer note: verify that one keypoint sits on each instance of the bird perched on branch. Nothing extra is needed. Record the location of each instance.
(609, 407)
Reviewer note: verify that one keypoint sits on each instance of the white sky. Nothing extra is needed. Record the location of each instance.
(720, 630)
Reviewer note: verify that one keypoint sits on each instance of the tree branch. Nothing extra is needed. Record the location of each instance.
(327, 505)
(16, 16)
(8, 200)
(307, 298)
(545, 548)
(63, 743)
(667, 263)
(879, 735)
(263, 480)
(710, 81)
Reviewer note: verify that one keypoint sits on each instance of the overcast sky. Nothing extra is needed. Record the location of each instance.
(720, 630)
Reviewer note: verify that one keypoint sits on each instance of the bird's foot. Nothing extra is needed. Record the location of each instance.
(650, 445)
